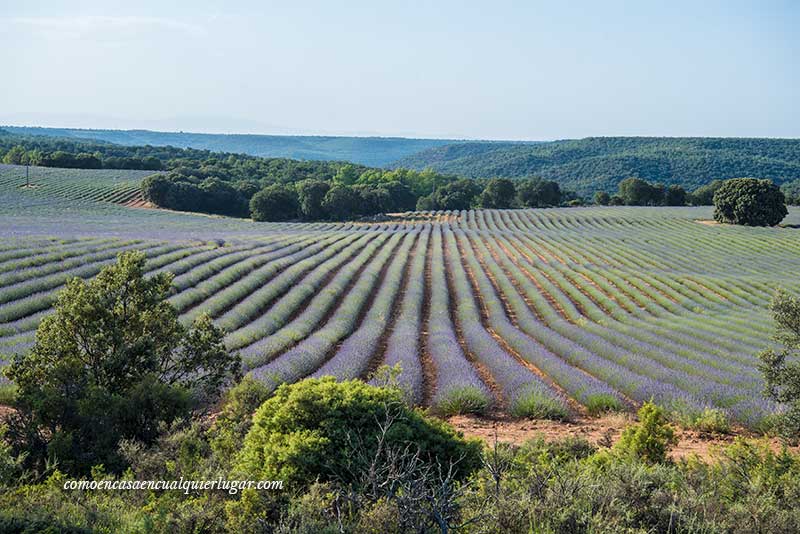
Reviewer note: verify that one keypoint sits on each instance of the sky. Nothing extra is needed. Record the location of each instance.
(457, 69)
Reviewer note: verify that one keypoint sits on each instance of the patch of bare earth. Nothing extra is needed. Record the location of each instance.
(599, 431)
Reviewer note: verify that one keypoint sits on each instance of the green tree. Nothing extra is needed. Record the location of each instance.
(112, 363)
(675, 196)
(311, 194)
(749, 202)
(16, 156)
(781, 368)
(457, 195)
(498, 194)
(341, 203)
(637, 192)
(538, 193)
(346, 175)
(601, 198)
(704, 195)
(274, 203)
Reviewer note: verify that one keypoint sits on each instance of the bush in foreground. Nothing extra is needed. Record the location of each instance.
(321, 429)
(111, 363)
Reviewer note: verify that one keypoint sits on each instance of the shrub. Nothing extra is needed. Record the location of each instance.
(234, 421)
(650, 439)
(111, 363)
(320, 429)
(749, 202)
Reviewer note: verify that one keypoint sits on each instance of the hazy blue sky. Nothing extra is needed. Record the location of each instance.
(453, 68)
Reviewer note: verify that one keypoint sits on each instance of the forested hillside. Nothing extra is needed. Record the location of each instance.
(600, 163)
(373, 151)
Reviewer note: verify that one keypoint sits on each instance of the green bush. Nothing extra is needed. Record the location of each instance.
(236, 417)
(321, 429)
(111, 363)
(650, 439)
(749, 202)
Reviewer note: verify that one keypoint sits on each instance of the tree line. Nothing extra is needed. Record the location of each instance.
(600, 163)
(349, 194)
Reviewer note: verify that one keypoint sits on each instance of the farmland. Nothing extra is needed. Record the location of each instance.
(101, 185)
(531, 312)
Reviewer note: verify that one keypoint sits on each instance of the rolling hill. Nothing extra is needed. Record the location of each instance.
(372, 151)
(600, 163)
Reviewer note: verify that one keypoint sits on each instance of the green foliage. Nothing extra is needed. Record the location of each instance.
(637, 192)
(675, 196)
(781, 368)
(650, 439)
(234, 421)
(791, 191)
(710, 420)
(538, 193)
(311, 194)
(601, 198)
(498, 194)
(599, 404)
(111, 363)
(274, 203)
(341, 203)
(320, 429)
(457, 195)
(600, 163)
(704, 195)
(750, 202)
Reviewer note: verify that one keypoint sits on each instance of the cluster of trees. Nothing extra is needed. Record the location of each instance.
(497, 193)
(637, 192)
(115, 389)
(18, 155)
(762, 196)
(600, 163)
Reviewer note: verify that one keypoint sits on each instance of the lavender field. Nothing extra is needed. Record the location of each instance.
(533, 312)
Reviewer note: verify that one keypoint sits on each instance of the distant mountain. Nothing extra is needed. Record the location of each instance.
(372, 151)
(600, 163)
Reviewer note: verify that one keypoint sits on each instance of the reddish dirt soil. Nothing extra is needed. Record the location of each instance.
(595, 430)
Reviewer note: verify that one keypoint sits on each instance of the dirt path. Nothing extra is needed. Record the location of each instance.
(598, 431)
